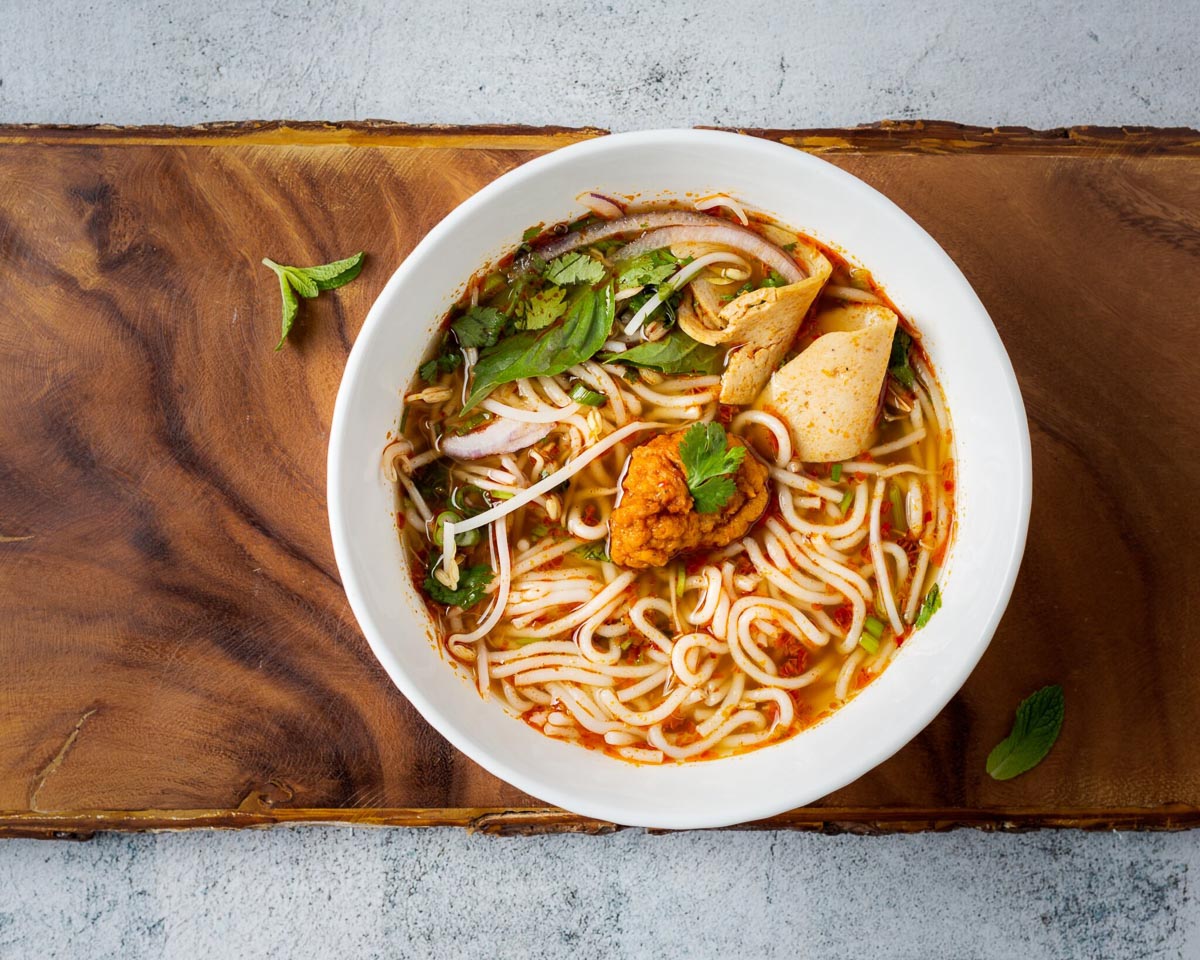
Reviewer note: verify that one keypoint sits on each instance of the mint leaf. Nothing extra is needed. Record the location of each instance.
(574, 267)
(303, 285)
(930, 605)
(1037, 725)
(472, 585)
(543, 308)
(479, 327)
(290, 307)
(330, 276)
(653, 266)
(707, 463)
(308, 282)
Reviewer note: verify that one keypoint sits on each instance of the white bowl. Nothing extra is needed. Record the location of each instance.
(990, 434)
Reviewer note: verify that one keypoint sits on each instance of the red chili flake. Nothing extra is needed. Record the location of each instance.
(590, 514)
(693, 563)
(885, 528)
(844, 615)
(928, 515)
(794, 664)
(725, 413)
(948, 485)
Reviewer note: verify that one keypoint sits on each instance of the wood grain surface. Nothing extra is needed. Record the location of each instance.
(175, 646)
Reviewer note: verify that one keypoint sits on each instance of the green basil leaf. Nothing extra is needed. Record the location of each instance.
(1038, 722)
(674, 353)
(572, 340)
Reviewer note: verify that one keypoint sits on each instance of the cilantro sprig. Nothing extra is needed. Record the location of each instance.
(308, 282)
(574, 267)
(708, 464)
(479, 327)
(898, 365)
(472, 585)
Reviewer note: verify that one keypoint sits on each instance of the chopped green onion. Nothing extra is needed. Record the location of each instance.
(847, 500)
(836, 473)
(874, 627)
(491, 283)
(524, 641)
(869, 643)
(501, 494)
(468, 538)
(539, 531)
(929, 606)
(581, 394)
(897, 506)
(532, 233)
(680, 581)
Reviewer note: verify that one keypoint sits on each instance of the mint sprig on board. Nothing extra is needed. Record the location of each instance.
(308, 282)
(1038, 722)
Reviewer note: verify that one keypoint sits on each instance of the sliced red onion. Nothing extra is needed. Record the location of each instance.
(723, 200)
(650, 220)
(500, 436)
(746, 242)
(602, 206)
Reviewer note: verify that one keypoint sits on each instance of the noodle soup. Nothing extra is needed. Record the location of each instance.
(675, 484)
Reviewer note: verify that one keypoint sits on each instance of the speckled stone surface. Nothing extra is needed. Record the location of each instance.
(618, 64)
(321, 892)
(335, 892)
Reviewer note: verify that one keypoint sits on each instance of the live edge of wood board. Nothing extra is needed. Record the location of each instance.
(175, 647)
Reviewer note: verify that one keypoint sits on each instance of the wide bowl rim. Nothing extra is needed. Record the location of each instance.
(751, 807)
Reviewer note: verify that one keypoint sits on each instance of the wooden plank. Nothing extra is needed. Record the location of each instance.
(175, 646)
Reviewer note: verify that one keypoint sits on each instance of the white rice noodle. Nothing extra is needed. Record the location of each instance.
(502, 561)
(585, 633)
(881, 570)
(896, 552)
(778, 428)
(833, 531)
(704, 610)
(673, 401)
(798, 481)
(693, 676)
(544, 414)
(638, 614)
(913, 436)
(918, 580)
(781, 580)
(643, 718)
(576, 617)
(640, 689)
(846, 675)
(742, 718)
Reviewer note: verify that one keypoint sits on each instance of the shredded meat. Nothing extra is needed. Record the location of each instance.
(655, 519)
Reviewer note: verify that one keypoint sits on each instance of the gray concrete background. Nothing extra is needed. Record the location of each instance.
(318, 892)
